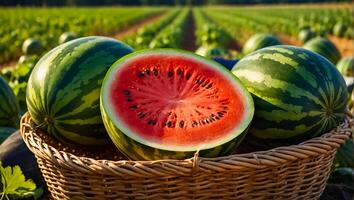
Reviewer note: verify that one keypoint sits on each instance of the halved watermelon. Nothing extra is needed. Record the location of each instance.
(166, 103)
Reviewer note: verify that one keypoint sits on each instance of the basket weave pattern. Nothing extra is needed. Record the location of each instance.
(294, 172)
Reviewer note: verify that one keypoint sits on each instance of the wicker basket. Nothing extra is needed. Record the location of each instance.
(294, 172)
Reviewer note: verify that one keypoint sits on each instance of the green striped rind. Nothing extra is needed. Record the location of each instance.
(346, 66)
(259, 41)
(323, 47)
(5, 132)
(64, 88)
(143, 150)
(9, 108)
(293, 89)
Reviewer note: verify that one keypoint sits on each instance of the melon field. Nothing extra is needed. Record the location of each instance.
(234, 79)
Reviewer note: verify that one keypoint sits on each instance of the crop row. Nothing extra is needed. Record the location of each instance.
(46, 25)
(242, 22)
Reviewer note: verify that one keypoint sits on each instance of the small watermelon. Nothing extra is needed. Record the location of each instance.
(298, 95)
(323, 47)
(259, 41)
(346, 66)
(170, 104)
(211, 52)
(9, 108)
(31, 46)
(305, 35)
(66, 37)
(64, 88)
(339, 29)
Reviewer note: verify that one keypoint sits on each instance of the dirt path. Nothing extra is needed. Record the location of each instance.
(345, 46)
(189, 39)
(135, 27)
(8, 64)
(286, 39)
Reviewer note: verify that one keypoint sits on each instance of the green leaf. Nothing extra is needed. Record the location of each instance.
(14, 184)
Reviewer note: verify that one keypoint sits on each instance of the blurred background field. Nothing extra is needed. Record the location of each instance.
(212, 28)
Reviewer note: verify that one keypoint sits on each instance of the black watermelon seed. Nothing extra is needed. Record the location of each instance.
(141, 115)
(170, 73)
(156, 72)
(169, 124)
(129, 100)
(179, 71)
(188, 76)
(194, 124)
(217, 118)
(181, 124)
(147, 71)
(140, 74)
(133, 107)
(152, 122)
(205, 84)
(209, 86)
(126, 92)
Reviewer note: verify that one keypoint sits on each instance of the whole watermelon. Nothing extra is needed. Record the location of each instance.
(298, 95)
(66, 37)
(31, 46)
(64, 88)
(346, 66)
(9, 108)
(339, 29)
(259, 41)
(323, 47)
(211, 52)
(305, 35)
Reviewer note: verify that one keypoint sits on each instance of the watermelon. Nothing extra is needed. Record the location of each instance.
(211, 52)
(259, 41)
(346, 66)
(66, 37)
(305, 35)
(323, 47)
(170, 104)
(5, 132)
(9, 108)
(64, 88)
(339, 29)
(31, 46)
(298, 95)
(344, 155)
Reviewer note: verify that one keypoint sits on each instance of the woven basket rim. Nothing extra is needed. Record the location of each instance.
(255, 160)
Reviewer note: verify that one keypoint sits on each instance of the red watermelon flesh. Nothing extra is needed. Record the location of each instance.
(176, 102)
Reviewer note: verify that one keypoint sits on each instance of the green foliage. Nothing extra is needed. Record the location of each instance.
(146, 34)
(17, 78)
(47, 24)
(207, 32)
(15, 186)
(172, 35)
